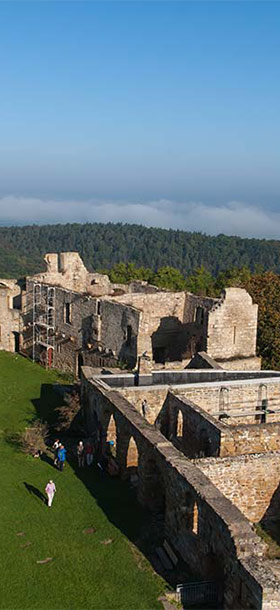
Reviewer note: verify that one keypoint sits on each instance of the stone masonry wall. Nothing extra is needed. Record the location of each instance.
(93, 323)
(234, 396)
(249, 481)
(116, 319)
(232, 326)
(9, 317)
(222, 544)
(154, 308)
(155, 398)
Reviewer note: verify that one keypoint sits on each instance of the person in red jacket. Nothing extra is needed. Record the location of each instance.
(89, 453)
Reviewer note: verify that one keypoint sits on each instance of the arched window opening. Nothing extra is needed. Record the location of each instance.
(223, 402)
(180, 423)
(195, 519)
(262, 404)
(132, 454)
(112, 434)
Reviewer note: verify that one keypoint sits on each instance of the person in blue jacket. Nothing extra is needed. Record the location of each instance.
(61, 457)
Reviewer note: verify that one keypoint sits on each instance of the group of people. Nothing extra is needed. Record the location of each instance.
(84, 451)
(59, 454)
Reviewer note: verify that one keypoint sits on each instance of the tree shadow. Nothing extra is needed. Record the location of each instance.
(145, 529)
(34, 491)
(46, 458)
(115, 497)
(51, 397)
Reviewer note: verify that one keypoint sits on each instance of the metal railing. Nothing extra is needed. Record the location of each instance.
(204, 592)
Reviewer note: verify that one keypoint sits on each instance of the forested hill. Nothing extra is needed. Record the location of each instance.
(103, 245)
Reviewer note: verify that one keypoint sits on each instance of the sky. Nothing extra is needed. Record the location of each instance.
(159, 113)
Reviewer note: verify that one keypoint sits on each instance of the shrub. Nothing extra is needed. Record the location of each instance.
(33, 439)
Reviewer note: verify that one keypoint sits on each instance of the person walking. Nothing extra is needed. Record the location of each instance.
(56, 446)
(89, 453)
(81, 454)
(50, 490)
(144, 407)
(61, 457)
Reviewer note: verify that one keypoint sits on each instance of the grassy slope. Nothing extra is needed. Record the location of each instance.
(84, 573)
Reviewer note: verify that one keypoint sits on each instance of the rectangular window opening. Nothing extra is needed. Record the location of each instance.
(67, 313)
(128, 335)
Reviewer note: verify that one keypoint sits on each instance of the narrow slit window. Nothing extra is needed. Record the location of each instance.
(67, 313)
(128, 335)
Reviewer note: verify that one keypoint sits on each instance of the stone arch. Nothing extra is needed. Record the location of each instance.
(112, 430)
(132, 455)
(179, 424)
(191, 511)
(195, 519)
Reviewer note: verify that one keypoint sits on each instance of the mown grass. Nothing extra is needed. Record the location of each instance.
(83, 573)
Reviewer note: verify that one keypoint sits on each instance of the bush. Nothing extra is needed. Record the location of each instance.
(33, 439)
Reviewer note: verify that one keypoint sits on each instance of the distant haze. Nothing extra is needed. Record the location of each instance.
(160, 113)
(234, 218)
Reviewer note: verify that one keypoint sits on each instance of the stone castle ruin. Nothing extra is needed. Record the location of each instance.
(206, 458)
(69, 317)
(205, 454)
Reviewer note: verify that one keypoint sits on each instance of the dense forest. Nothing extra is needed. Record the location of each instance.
(175, 260)
(103, 245)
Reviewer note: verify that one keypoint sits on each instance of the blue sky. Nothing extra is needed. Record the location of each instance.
(163, 113)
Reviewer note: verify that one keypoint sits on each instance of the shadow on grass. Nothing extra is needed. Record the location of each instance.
(116, 499)
(144, 529)
(34, 491)
(13, 439)
(50, 398)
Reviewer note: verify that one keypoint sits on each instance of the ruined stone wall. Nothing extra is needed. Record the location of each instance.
(249, 481)
(232, 326)
(203, 434)
(10, 319)
(251, 438)
(160, 322)
(155, 398)
(90, 324)
(241, 364)
(233, 396)
(219, 543)
(119, 330)
(200, 434)
(68, 271)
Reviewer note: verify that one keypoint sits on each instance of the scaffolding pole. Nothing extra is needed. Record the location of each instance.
(43, 321)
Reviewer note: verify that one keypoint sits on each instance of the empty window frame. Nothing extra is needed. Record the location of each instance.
(199, 315)
(128, 335)
(68, 313)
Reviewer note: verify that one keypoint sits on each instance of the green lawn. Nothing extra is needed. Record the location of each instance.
(83, 573)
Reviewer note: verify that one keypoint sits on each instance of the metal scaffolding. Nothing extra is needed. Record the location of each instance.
(43, 314)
